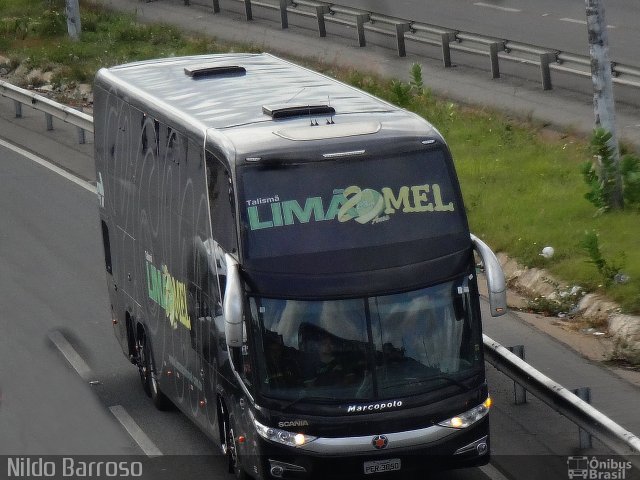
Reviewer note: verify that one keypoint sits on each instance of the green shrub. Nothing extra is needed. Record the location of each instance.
(416, 79)
(602, 174)
(630, 170)
(51, 23)
(607, 269)
(401, 93)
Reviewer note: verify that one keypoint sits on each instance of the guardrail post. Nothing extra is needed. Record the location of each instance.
(18, 108)
(360, 19)
(494, 48)
(81, 135)
(401, 28)
(584, 393)
(321, 10)
(284, 17)
(247, 10)
(49, 118)
(545, 60)
(446, 39)
(519, 392)
(216, 6)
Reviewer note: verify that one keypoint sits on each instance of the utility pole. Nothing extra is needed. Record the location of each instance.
(603, 103)
(73, 19)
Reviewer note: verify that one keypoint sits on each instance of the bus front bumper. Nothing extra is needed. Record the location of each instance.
(441, 448)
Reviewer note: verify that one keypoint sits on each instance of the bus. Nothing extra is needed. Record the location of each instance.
(289, 263)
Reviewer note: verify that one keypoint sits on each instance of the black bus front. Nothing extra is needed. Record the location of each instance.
(362, 338)
(376, 384)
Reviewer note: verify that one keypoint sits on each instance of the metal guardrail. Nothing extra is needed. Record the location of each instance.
(496, 49)
(565, 402)
(21, 96)
(556, 396)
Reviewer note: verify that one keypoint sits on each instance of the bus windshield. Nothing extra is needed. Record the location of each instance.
(305, 208)
(368, 348)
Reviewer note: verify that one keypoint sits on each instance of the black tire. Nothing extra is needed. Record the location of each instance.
(146, 368)
(143, 364)
(233, 454)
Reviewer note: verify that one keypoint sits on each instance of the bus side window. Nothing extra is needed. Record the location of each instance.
(150, 135)
(221, 199)
(107, 247)
(201, 326)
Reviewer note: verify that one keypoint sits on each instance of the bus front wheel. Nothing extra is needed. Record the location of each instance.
(235, 464)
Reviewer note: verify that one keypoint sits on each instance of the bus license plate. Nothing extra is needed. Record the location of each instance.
(381, 466)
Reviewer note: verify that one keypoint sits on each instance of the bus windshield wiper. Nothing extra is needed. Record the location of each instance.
(322, 400)
(449, 380)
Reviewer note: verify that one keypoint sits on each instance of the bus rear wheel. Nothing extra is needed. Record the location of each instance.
(146, 367)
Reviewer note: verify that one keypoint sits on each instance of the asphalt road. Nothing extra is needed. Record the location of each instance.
(557, 24)
(52, 288)
(54, 308)
(45, 407)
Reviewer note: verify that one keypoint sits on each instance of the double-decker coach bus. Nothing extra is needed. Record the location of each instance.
(289, 263)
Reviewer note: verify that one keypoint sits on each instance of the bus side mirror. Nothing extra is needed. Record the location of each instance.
(232, 305)
(495, 277)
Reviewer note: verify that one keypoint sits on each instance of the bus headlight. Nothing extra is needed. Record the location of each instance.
(282, 436)
(469, 417)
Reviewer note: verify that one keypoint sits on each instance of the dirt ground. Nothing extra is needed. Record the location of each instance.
(593, 344)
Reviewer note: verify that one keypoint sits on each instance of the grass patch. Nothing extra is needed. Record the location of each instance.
(522, 191)
(36, 30)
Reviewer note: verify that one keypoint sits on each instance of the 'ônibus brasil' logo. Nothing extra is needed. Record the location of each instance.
(167, 292)
(352, 203)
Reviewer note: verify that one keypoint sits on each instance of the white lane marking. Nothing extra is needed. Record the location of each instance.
(581, 22)
(73, 357)
(492, 472)
(497, 7)
(573, 20)
(118, 411)
(144, 442)
(50, 166)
